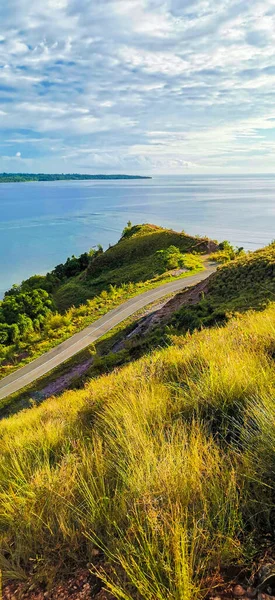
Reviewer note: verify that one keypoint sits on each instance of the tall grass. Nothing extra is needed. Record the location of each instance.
(163, 465)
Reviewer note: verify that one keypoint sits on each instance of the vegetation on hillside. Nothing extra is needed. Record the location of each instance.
(166, 467)
(84, 288)
(133, 259)
(138, 248)
(248, 282)
(25, 177)
(21, 313)
(56, 328)
(226, 252)
(173, 258)
(241, 285)
(159, 475)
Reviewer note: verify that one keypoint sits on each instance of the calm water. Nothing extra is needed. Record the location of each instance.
(43, 223)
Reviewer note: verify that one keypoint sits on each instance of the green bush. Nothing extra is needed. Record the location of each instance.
(226, 252)
(173, 258)
(21, 312)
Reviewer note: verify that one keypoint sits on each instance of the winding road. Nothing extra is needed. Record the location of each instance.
(58, 355)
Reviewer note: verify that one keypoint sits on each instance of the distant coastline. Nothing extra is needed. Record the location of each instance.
(26, 177)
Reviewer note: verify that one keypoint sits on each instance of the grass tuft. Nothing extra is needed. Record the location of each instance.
(167, 465)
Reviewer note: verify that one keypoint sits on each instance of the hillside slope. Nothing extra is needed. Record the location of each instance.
(241, 285)
(86, 287)
(245, 283)
(141, 473)
(134, 258)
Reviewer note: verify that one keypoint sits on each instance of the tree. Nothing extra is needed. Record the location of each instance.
(83, 261)
(21, 312)
(170, 258)
(127, 229)
(11, 307)
(25, 325)
(71, 267)
(227, 252)
(4, 333)
(14, 333)
(59, 271)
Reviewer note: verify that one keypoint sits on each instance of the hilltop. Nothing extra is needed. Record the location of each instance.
(133, 259)
(45, 310)
(25, 177)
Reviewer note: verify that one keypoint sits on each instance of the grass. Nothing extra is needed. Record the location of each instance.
(243, 284)
(128, 268)
(133, 259)
(166, 465)
(248, 282)
(60, 327)
(104, 361)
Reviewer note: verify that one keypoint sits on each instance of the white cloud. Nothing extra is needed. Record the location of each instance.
(167, 63)
(145, 84)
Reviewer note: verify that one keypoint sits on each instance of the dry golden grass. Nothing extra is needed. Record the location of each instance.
(162, 464)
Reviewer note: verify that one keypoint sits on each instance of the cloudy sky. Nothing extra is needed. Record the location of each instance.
(137, 86)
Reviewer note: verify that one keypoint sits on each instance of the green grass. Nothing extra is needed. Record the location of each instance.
(129, 268)
(104, 361)
(133, 259)
(247, 282)
(167, 465)
(60, 327)
(241, 285)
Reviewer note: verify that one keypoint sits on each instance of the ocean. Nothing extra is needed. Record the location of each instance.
(43, 223)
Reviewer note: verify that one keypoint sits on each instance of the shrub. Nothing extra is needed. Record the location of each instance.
(57, 321)
(226, 252)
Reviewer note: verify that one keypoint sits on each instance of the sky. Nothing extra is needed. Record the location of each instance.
(137, 86)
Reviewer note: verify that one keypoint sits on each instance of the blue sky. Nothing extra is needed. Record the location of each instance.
(137, 86)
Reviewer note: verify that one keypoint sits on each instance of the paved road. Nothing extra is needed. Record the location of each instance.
(58, 355)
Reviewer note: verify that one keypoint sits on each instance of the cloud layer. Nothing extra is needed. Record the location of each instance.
(137, 86)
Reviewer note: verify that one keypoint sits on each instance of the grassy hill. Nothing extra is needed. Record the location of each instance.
(134, 258)
(251, 278)
(160, 476)
(164, 470)
(45, 310)
(245, 283)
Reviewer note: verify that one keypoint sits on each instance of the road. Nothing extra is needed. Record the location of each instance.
(58, 355)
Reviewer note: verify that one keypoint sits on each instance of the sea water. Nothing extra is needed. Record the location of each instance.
(41, 224)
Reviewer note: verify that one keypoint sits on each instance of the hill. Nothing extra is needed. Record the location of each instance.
(157, 480)
(45, 310)
(133, 259)
(248, 282)
(159, 476)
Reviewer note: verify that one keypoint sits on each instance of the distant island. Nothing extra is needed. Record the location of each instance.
(25, 177)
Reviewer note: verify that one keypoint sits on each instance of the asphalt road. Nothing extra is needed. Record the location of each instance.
(58, 355)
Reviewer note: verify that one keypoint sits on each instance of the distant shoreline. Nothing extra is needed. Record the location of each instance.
(27, 177)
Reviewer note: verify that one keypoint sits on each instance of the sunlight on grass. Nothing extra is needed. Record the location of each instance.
(167, 465)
